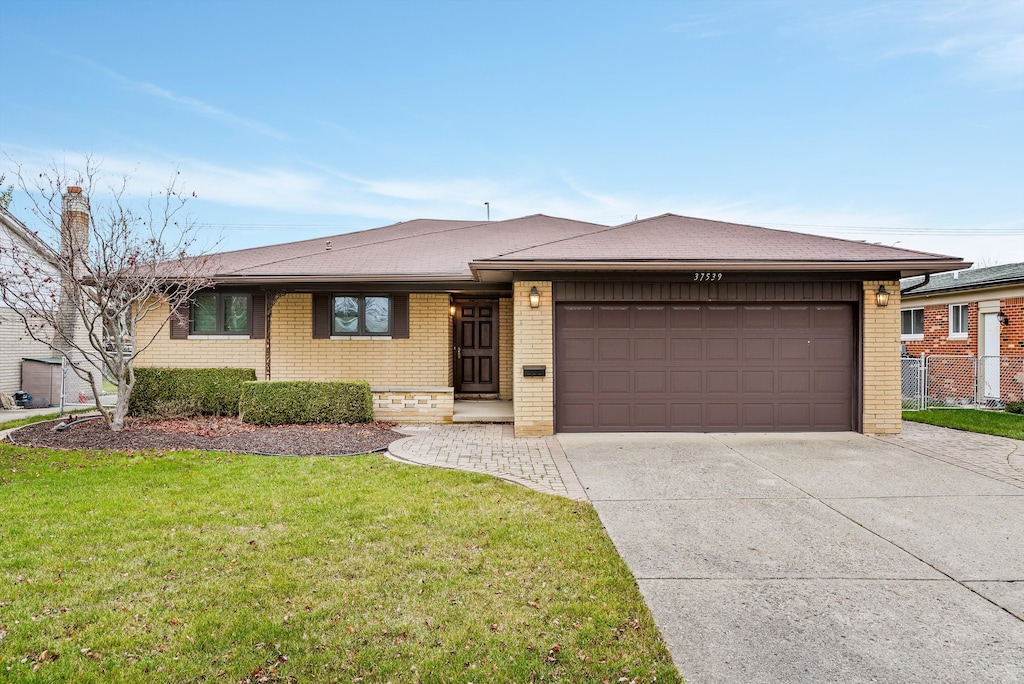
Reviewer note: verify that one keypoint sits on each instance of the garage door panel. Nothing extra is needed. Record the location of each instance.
(613, 382)
(686, 317)
(690, 367)
(579, 350)
(651, 416)
(794, 381)
(687, 349)
(616, 416)
(650, 382)
(576, 382)
(651, 317)
(758, 317)
(572, 317)
(794, 349)
(613, 317)
(650, 349)
(759, 381)
(758, 416)
(759, 349)
(722, 349)
(686, 382)
(613, 349)
(723, 317)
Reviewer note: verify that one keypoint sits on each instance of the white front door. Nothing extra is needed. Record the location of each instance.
(990, 355)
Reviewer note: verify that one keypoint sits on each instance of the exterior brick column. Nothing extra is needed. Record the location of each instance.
(881, 354)
(533, 398)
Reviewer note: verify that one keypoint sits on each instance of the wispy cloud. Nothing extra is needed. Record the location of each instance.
(192, 104)
(700, 27)
(982, 40)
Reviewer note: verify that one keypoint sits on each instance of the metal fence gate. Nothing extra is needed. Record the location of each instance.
(964, 381)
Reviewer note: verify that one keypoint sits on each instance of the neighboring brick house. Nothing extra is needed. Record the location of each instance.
(663, 324)
(973, 313)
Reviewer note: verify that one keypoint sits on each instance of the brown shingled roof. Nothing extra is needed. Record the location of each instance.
(436, 250)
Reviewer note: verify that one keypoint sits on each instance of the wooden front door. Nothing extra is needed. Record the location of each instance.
(476, 346)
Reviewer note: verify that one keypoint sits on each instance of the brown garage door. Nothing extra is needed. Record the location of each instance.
(704, 367)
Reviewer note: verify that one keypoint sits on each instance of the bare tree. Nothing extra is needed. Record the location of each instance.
(102, 261)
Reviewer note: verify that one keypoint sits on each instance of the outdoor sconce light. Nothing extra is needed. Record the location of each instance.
(1003, 318)
(451, 310)
(534, 298)
(882, 296)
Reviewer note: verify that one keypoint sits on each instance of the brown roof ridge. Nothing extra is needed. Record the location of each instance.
(342, 235)
(293, 257)
(410, 237)
(778, 230)
(551, 242)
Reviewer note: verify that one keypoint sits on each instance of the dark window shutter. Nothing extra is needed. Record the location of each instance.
(179, 322)
(321, 316)
(400, 316)
(258, 316)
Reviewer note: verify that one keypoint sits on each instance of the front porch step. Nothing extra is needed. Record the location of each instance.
(482, 411)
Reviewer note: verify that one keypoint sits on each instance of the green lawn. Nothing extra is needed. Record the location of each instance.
(972, 420)
(192, 566)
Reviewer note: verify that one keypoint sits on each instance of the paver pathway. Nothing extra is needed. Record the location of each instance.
(997, 457)
(536, 462)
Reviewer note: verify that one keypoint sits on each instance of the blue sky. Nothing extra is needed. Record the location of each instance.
(893, 122)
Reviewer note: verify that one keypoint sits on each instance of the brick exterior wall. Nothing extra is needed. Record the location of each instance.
(505, 348)
(533, 344)
(881, 360)
(412, 374)
(414, 405)
(1011, 335)
(936, 333)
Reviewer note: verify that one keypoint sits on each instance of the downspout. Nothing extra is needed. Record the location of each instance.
(927, 279)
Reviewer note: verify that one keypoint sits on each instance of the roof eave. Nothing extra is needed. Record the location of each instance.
(238, 279)
(964, 288)
(906, 268)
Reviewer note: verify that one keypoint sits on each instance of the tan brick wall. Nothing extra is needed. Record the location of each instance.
(533, 398)
(414, 406)
(505, 348)
(881, 349)
(421, 360)
(167, 353)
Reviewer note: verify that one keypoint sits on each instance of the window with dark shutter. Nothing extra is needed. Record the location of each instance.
(400, 316)
(259, 316)
(179, 322)
(321, 316)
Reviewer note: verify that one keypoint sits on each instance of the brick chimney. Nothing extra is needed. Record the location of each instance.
(74, 250)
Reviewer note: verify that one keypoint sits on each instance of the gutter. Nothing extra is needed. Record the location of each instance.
(927, 279)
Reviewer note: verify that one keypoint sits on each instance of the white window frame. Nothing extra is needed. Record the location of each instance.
(954, 320)
(912, 336)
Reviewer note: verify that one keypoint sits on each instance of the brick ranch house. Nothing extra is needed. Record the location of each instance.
(977, 313)
(663, 324)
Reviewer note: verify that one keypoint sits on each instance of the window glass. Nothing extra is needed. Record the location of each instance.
(958, 319)
(346, 314)
(377, 315)
(204, 313)
(912, 322)
(236, 314)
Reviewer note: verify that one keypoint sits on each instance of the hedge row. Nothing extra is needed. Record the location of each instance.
(188, 391)
(279, 403)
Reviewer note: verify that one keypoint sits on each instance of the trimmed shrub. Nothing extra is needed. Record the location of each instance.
(302, 401)
(183, 392)
(1014, 407)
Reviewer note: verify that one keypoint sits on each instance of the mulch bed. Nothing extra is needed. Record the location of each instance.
(209, 433)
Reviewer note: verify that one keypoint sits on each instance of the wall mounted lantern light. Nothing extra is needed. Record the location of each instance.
(1003, 318)
(451, 310)
(882, 296)
(534, 298)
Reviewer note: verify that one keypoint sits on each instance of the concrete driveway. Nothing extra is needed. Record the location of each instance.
(814, 558)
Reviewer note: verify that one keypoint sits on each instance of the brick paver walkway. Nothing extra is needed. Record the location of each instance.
(997, 457)
(536, 462)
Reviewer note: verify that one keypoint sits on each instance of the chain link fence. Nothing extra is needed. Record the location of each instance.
(961, 381)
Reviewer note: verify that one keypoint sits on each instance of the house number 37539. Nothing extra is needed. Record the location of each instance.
(705, 276)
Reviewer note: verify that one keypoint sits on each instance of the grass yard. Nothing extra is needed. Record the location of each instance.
(193, 566)
(972, 420)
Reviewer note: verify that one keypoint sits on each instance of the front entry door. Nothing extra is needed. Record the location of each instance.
(476, 346)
